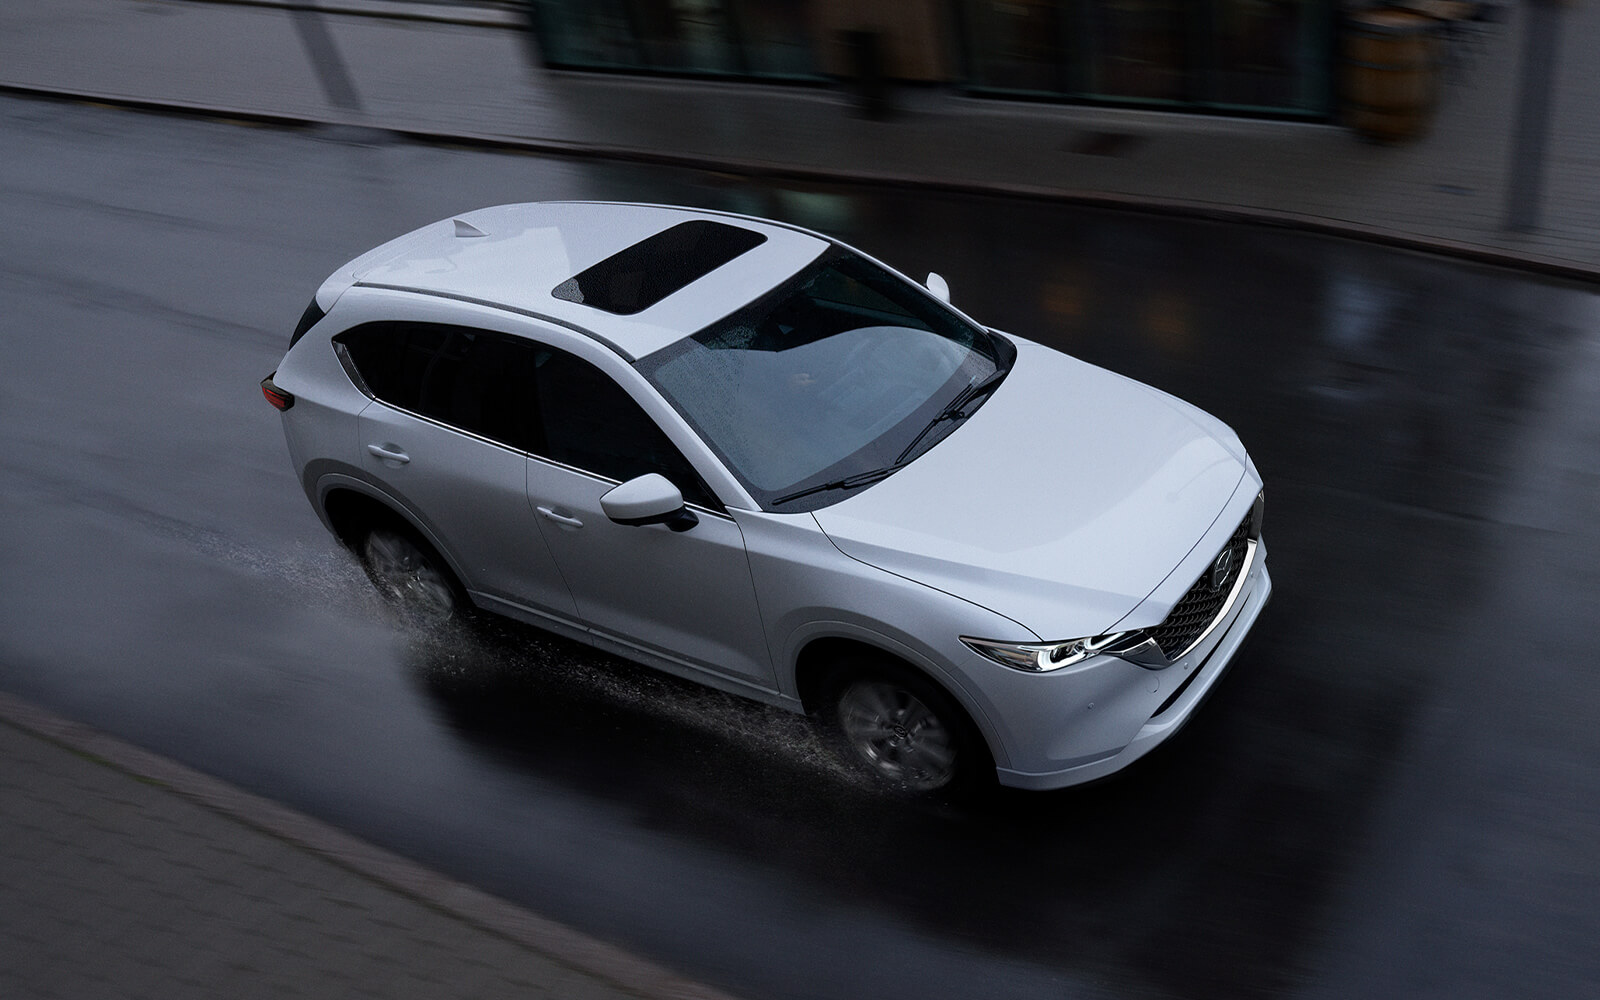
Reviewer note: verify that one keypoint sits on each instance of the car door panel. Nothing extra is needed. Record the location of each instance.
(684, 595)
(473, 495)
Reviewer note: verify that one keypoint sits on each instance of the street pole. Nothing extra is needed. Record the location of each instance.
(1525, 186)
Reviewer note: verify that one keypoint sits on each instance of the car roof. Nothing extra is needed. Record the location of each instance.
(526, 258)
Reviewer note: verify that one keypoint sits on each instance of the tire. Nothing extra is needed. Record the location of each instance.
(412, 577)
(903, 730)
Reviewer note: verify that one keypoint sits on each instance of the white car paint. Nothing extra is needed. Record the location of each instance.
(1073, 502)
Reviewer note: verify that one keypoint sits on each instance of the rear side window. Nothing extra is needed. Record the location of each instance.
(519, 393)
(308, 319)
(478, 381)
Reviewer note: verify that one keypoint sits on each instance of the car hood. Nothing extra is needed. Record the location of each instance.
(1062, 503)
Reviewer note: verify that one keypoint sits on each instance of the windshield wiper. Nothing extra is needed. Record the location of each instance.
(953, 409)
(847, 483)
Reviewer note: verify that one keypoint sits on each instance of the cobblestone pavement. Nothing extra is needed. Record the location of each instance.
(124, 876)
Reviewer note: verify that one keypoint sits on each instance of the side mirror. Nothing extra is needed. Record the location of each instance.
(939, 287)
(648, 499)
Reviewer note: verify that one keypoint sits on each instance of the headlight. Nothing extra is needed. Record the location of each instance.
(1041, 657)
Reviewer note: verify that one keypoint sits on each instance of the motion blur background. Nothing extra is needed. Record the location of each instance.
(1255, 55)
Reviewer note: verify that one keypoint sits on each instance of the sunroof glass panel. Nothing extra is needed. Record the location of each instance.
(633, 280)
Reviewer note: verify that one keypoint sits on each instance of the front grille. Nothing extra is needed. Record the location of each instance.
(1201, 605)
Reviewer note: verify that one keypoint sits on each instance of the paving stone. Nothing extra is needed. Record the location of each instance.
(117, 887)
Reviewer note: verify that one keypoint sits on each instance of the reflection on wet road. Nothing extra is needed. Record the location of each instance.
(1392, 794)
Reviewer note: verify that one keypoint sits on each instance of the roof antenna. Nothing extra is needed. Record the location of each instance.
(467, 229)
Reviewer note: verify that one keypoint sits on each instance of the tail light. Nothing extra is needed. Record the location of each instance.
(277, 397)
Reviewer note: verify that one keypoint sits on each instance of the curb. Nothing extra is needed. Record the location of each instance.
(472, 906)
(1179, 208)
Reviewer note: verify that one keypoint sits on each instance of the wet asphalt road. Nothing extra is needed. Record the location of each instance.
(1393, 793)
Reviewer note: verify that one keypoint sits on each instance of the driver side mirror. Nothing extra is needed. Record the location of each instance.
(939, 287)
(648, 499)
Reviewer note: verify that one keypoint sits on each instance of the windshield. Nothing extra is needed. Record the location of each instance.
(838, 372)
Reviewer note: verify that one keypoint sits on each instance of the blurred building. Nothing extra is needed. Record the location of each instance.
(1268, 57)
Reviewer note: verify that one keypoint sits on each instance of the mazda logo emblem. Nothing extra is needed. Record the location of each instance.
(1220, 568)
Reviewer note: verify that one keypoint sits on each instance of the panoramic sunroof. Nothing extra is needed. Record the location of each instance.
(635, 279)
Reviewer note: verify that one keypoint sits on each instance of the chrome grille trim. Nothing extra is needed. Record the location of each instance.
(1201, 605)
(1150, 652)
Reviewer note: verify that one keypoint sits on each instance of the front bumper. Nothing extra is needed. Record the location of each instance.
(1169, 696)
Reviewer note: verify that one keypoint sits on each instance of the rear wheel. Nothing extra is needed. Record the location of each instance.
(903, 730)
(411, 576)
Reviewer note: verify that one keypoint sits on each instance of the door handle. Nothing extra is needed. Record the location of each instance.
(561, 519)
(389, 453)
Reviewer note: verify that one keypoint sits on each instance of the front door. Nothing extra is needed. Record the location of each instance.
(686, 595)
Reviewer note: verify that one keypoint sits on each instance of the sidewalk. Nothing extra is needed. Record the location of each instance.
(126, 875)
(461, 73)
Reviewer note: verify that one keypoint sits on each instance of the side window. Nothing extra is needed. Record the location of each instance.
(472, 379)
(591, 423)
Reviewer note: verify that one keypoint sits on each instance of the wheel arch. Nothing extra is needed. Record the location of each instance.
(816, 680)
(350, 512)
(350, 506)
(814, 660)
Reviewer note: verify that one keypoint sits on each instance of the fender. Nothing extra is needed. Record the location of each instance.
(905, 650)
(344, 477)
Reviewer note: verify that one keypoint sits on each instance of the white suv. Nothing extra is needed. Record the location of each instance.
(743, 453)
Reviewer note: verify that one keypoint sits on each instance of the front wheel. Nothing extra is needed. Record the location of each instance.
(904, 731)
(411, 576)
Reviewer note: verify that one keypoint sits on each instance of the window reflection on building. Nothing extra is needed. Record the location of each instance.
(685, 35)
(1022, 46)
(776, 37)
(595, 34)
(1259, 55)
(1140, 50)
(1265, 56)
(1270, 53)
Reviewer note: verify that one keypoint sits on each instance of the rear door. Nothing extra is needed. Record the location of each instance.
(447, 435)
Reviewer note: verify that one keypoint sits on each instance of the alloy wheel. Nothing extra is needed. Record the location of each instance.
(409, 576)
(897, 735)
